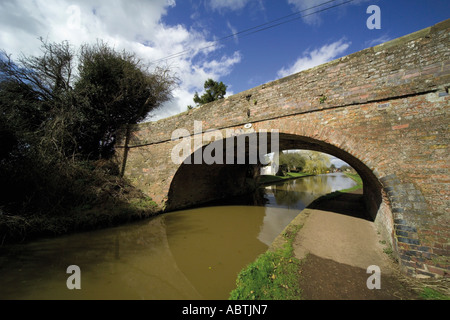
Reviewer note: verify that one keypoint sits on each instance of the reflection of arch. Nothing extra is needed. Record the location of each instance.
(198, 183)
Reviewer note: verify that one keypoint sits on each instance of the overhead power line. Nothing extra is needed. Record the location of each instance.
(262, 27)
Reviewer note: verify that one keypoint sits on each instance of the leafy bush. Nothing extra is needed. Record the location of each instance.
(58, 123)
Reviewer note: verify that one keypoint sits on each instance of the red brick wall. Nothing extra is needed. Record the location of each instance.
(385, 113)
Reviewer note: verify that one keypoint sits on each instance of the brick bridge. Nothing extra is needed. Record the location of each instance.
(383, 110)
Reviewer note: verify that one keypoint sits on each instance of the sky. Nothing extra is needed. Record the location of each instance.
(243, 43)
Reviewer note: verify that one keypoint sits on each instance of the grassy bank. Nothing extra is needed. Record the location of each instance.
(355, 177)
(92, 199)
(273, 275)
(18, 228)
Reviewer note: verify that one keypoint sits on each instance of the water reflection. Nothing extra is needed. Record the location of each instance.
(283, 201)
(299, 193)
(211, 245)
(189, 254)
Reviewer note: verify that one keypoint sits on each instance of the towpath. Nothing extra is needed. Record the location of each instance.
(337, 244)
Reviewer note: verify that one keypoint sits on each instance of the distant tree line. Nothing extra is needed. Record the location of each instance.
(311, 162)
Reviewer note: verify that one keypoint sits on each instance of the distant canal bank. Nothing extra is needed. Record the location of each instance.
(189, 254)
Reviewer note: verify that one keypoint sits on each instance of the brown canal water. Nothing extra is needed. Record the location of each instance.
(189, 254)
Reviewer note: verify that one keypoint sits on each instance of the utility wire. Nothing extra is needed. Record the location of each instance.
(260, 28)
(246, 30)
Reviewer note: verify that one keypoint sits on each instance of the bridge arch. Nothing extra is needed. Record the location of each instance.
(198, 183)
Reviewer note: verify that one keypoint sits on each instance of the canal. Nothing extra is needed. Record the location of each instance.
(189, 254)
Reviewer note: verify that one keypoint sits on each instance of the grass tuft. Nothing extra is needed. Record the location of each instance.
(431, 294)
(272, 276)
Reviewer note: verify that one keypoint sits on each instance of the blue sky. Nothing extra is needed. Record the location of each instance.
(156, 29)
(265, 54)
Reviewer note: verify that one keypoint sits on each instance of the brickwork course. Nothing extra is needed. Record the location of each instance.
(383, 110)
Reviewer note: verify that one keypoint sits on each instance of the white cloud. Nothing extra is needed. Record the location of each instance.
(228, 4)
(223, 65)
(381, 39)
(76, 21)
(233, 32)
(301, 5)
(132, 25)
(316, 57)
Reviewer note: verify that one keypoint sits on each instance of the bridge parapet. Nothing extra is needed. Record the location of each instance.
(410, 65)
